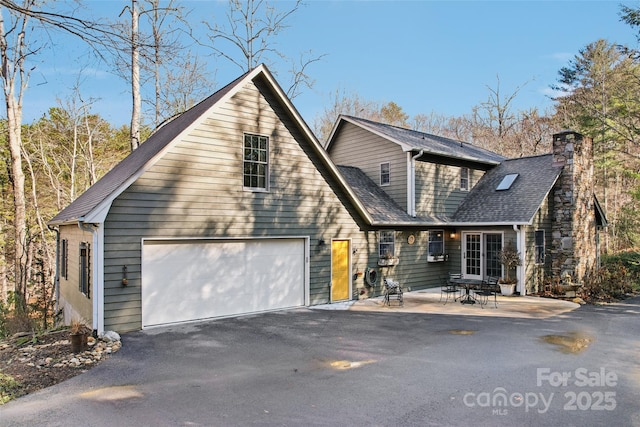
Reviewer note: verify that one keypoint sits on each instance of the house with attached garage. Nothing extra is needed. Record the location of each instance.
(442, 206)
(234, 207)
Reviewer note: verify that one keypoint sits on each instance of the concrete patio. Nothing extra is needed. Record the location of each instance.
(428, 301)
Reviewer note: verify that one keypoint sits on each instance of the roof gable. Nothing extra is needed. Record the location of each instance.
(120, 177)
(93, 204)
(410, 140)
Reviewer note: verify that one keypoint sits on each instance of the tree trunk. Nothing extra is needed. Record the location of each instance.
(135, 78)
(12, 70)
(14, 120)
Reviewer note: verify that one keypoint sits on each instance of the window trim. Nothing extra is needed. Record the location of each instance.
(539, 249)
(464, 180)
(387, 174)
(267, 163)
(384, 243)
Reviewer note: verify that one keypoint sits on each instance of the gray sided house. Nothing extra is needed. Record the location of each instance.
(444, 206)
(233, 207)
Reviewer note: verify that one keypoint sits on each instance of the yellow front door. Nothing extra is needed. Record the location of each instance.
(340, 270)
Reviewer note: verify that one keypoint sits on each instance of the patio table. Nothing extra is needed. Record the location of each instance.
(468, 284)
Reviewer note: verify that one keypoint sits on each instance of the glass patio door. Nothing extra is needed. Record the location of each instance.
(472, 255)
(492, 245)
(480, 255)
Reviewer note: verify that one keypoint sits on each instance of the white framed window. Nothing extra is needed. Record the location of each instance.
(464, 179)
(387, 244)
(539, 245)
(255, 162)
(385, 173)
(436, 243)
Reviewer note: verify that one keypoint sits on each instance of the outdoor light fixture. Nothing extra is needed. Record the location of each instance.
(453, 234)
(125, 281)
(321, 242)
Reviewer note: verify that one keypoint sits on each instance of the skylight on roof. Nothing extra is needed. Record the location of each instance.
(507, 182)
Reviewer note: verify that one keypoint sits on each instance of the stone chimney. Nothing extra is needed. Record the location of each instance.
(573, 240)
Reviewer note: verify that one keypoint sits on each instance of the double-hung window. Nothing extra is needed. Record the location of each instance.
(464, 179)
(436, 243)
(387, 244)
(385, 173)
(256, 162)
(539, 246)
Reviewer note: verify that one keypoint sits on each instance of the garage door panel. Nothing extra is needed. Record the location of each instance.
(186, 280)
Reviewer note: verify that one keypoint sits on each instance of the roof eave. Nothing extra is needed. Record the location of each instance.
(405, 147)
(446, 224)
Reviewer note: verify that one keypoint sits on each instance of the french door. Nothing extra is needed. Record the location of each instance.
(480, 255)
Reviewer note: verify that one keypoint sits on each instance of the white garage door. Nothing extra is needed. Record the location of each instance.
(189, 280)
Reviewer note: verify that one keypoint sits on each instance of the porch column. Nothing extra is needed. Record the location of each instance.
(520, 270)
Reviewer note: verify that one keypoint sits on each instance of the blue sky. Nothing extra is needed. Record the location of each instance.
(426, 56)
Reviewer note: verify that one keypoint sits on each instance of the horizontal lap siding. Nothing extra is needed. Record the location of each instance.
(354, 146)
(438, 188)
(69, 286)
(195, 191)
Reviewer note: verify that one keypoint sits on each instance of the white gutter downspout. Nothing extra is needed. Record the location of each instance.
(411, 197)
(97, 268)
(520, 270)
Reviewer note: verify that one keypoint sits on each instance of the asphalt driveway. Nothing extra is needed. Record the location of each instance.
(346, 367)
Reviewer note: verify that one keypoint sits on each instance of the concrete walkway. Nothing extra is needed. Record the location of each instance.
(428, 301)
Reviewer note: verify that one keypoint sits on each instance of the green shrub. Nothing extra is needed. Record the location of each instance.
(9, 388)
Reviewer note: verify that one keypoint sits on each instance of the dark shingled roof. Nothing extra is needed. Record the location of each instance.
(380, 206)
(128, 167)
(518, 204)
(432, 144)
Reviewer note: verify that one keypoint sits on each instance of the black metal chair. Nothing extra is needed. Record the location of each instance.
(392, 289)
(448, 290)
(489, 288)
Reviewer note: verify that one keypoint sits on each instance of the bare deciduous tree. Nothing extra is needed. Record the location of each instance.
(248, 39)
(14, 50)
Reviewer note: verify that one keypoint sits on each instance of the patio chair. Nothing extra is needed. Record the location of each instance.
(392, 289)
(487, 289)
(448, 290)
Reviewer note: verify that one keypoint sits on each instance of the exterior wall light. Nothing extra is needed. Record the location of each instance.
(125, 281)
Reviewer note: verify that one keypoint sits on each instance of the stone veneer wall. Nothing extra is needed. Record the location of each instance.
(573, 240)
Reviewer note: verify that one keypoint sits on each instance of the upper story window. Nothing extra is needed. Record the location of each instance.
(464, 179)
(256, 162)
(387, 244)
(385, 173)
(539, 246)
